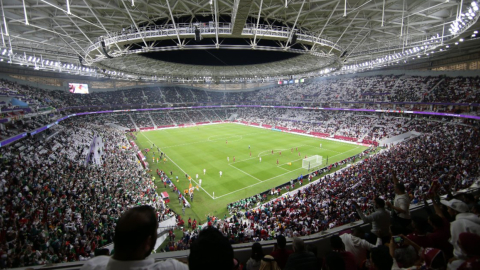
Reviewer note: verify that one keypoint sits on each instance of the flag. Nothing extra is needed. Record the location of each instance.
(309, 165)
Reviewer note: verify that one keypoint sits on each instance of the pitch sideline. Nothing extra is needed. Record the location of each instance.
(181, 169)
(260, 181)
(218, 197)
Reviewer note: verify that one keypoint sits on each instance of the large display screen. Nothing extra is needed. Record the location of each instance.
(78, 88)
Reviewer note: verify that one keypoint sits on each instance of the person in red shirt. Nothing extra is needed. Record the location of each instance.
(469, 245)
(441, 234)
(419, 235)
(280, 253)
(263, 233)
(339, 247)
(181, 222)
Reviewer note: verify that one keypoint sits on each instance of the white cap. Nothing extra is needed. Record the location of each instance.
(456, 205)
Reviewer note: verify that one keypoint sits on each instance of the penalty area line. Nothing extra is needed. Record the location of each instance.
(245, 173)
(182, 170)
(218, 197)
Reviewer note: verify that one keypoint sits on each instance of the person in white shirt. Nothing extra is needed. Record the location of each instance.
(358, 246)
(401, 205)
(464, 222)
(134, 240)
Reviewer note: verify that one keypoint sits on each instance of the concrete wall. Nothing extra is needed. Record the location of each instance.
(399, 138)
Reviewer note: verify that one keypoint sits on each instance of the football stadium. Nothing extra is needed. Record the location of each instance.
(239, 134)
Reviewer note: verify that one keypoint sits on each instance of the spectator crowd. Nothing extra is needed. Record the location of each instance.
(55, 208)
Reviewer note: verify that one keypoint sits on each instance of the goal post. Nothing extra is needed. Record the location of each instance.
(312, 162)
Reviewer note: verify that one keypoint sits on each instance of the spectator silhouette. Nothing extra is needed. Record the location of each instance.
(269, 263)
(135, 238)
(380, 258)
(339, 247)
(255, 259)
(334, 261)
(301, 258)
(280, 253)
(211, 251)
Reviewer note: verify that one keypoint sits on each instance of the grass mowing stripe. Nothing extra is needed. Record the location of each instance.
(191, 151)
(273, 178)
(179, 167)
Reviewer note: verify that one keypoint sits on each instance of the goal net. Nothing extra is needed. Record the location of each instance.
(311, 162)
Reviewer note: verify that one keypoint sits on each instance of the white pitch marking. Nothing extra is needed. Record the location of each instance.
(218, 197)
(181, 169)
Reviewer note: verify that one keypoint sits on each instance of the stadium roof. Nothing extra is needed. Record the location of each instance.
(219, 40)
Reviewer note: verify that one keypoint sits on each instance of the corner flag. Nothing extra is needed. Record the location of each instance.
(309, 166)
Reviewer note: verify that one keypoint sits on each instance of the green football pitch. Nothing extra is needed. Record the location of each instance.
(244, 156)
